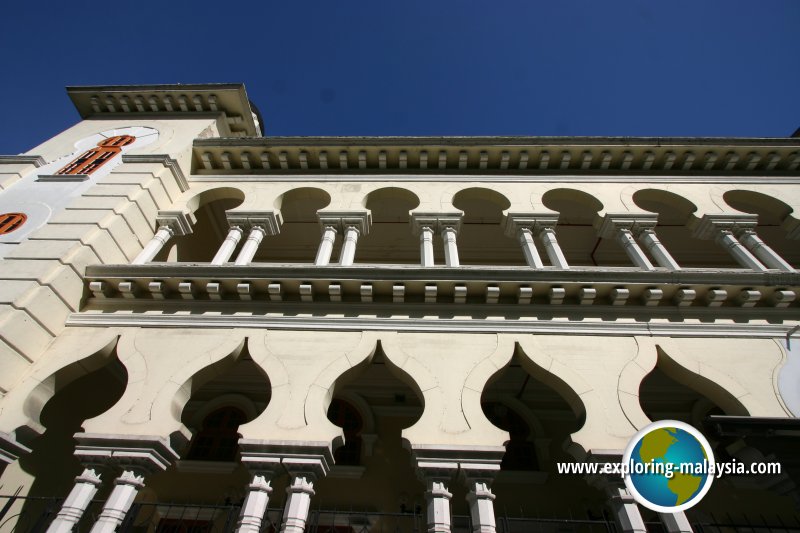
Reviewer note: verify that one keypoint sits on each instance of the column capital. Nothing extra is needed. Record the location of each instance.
(709, 226)
(436, 221)
(179, 222)
(312, 461)
(513, 222)
(474, 463)
(610, 224)
(10, 449)
(269, 221)
(341, 220)
(142, 454)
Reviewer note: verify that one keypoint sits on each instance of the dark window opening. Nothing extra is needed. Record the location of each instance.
(520, 452)
(347, 417)
(218, 440)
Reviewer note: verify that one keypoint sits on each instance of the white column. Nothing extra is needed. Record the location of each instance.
(155, 245)
(761, 250)
(426, 246)
(481, 507)
(348, 253)
(675, 522)
(532, 256)
(657, 250)
(623, 506)
(255, 505)
(119, 502)
(554, 253)
(325, 246)
(726, 239)
(438, 507)
(228, 246)
(250, 246)
(298, 502)
(450, 247)
(75, 505)
(625, 238)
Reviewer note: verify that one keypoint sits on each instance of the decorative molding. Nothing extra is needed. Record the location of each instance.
(341, 220)
(436, 221)
(146, 453)
(636, 222)
(62, 177)
(179, 222)
(513, 222)
(163, 159)
(269, 221)
(35, 160)
(711, 224)
(10, 449)
(581, 326)
(485, 155)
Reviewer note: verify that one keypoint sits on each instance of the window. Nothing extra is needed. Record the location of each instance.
(218, 439)
(520, 452)
(11, 221)
(346, 417)
(98, 156)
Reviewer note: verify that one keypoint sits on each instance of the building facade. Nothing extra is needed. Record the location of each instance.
(216, 330)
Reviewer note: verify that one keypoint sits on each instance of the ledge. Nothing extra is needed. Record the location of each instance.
(162, 159)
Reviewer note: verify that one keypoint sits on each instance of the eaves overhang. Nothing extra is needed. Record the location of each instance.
(486, 155)
(168, 101)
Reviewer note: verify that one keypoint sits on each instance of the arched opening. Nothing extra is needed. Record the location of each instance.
(52, 462)
(347, 417)
(669, 392)
(540, 421)
(299, 237)
(210, 229)
(373, 403)
(390, 239)
(771, 214)
(481, 240)
(575, 231)
(674, 214)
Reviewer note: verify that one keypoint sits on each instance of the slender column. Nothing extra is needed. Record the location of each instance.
(255, 505)
(450, 247)
(325, 246)
(426, 246)
(75, 505)
(438, 507)
(657, 250)
(250, 247)
(295, 514)
(348, 252)
(554, 253)
(625, 238)
(532, 256)
(126, 487)
(761, 250)
(623, 506)
(155, 245)
(481, 507)
(228, 246)
(726, 239)
(675, 522)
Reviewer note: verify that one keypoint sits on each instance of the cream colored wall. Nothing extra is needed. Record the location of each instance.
(598, 376)
(41, 279)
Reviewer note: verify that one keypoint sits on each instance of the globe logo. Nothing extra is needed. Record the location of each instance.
(669, 466)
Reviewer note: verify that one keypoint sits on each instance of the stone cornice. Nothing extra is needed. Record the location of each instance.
(678, 328)
(491, 155)
(168, 101)
(35, 160)
(162, 159)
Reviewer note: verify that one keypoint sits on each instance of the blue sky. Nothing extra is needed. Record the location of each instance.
(436, 67)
